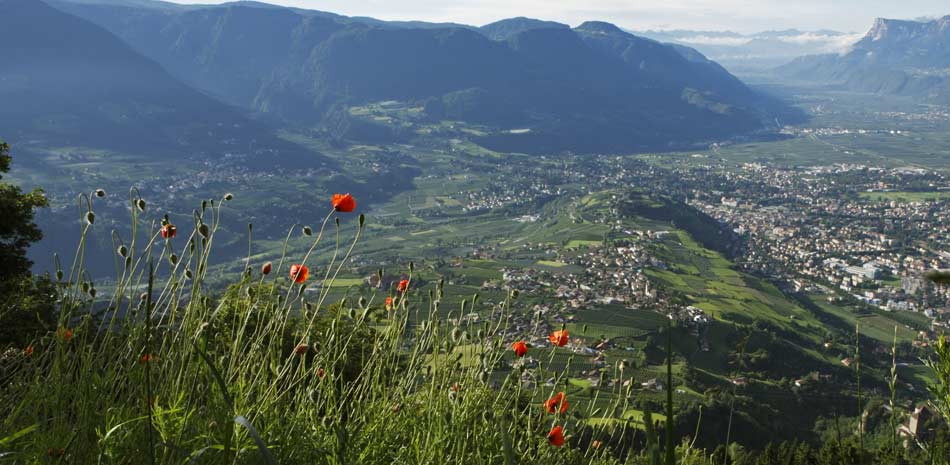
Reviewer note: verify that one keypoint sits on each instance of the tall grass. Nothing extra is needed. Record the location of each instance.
(160, 368)
(156, 371)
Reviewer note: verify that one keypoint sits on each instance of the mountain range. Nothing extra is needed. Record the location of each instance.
(757, 53)
(585, 89)
(898, 57)
(69, 82)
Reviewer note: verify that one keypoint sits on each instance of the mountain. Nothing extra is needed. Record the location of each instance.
(753, 54)
(909, 58)
(66, 81)
(508, 28)
(593, 88)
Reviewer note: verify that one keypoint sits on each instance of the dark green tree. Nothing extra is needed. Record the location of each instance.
(26, 303)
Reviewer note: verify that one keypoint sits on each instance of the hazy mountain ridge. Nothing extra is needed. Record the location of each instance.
(899, 57)
(68, 82)
(301, 66)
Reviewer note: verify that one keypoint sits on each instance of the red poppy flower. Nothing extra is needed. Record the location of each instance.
(265, 268)
(556, 404)
(301, 349)
(596, 444)
(66, 333)
(321, 373)
(299, 273)
(403, 285)
(389, 303)
(146, 358)
(169, 231)
(556, 436)
(559, 338)
(455, 387)
(344, 203)
(520, 348)
(28, 351)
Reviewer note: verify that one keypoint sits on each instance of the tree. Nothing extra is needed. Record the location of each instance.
(26, 303)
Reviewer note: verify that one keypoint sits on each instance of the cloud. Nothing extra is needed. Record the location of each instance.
(825, 43)
(713, 40)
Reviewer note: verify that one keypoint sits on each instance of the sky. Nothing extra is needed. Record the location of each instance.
(744, 16)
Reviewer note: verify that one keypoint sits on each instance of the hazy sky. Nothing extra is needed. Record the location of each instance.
(737, 15)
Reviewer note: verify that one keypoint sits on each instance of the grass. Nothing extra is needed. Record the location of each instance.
(266, 373)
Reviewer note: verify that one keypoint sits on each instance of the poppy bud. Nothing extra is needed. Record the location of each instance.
(143, 296)
(514, 294)
(412, 266)
(100, 193)
(128, 262)
(123, 251)
(362, 301)
(203, 230)
(307, 231)
(84, 286)
(140, 204)
(92, 292)
(173, 259)
(188, 274)
(362, 220)
(59, 275)
(265, 269)
(352, 313)
(301, 349)
(228, 197)
(456, 334)
(90, 217)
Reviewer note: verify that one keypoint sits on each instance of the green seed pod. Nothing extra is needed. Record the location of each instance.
(123, 251)
(140, 204)
(307, 231)
(100, 193)
(90, 217)
(203, 230)
(228, 197)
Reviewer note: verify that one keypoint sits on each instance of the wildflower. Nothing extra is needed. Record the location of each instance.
(146, 359)
(455, 387)
(321, 373)
(299, 273)
(403, 285)
(28, 351)
(520, 348)
(556, 404)
(66, 334)
(343, 203)
(301, 349)
(559, 338)
(396, 408)
(169, 231)
(556, 436)
(596, 444)
(265, 269)
(389, 303)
